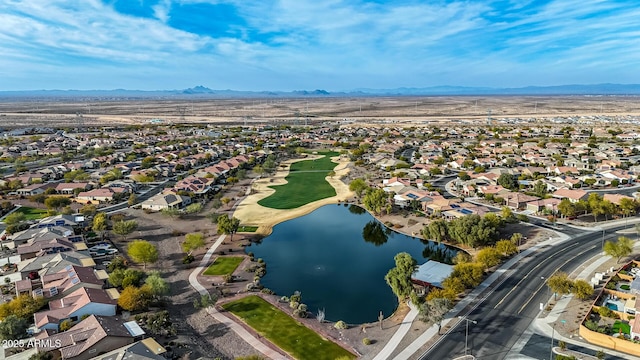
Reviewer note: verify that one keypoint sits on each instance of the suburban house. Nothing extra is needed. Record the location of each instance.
(89, 338)
(69, 188)
(48, 246)
(63, 282)
(38, 233)
(33, 189)
(52, 263)
(146, 349)
(160, 202)
(573, 195)
(84, 301)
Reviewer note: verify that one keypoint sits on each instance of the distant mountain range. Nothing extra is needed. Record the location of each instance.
(205, 92)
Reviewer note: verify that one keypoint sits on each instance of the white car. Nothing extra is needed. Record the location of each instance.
(100, 247)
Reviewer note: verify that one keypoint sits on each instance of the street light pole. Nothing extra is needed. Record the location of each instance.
(466, 334)
(552, 334)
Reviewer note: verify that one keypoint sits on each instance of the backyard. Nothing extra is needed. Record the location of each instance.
(284, 331)
(32, 213)
(303, 176)
(223, 265)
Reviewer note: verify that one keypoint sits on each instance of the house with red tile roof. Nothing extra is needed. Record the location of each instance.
(84, 301)
(90, 337)
(65, 281)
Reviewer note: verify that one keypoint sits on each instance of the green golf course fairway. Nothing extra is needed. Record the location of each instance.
(306, 183)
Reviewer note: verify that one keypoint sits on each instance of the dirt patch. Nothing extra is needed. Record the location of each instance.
(199, 335)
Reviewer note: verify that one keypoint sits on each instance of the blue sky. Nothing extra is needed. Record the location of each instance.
(323, 44)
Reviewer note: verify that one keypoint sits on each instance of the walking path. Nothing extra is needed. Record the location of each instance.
(237, 328)
(399, 334)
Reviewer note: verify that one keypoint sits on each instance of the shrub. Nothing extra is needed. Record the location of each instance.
(340, 325)
(267, 291)
(366, 341)
(188, 259)
(284, 299)
(591, 325)
(294, 304)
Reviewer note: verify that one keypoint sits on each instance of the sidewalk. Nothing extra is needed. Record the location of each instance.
(544, 325)
(476, 296)
(237, 328)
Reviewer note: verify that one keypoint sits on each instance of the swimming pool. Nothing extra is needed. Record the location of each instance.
(612, 306)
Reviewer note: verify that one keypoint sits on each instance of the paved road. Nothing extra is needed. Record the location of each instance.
(509, 310)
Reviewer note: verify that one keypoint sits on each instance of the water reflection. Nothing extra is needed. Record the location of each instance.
(375, 233)
(355, 209)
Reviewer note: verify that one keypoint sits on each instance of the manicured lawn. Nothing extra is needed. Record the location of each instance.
(284, 331)
(33, 213)
(247, 228)
(305, 184)
(224, 265)
(625, 287)
(619, 325)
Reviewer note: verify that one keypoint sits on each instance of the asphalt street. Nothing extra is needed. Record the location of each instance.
(514, 303)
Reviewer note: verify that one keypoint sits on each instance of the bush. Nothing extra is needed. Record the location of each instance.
(591, 325)
(366, 341)
(267, 291)
(284, 299)
(188, 259)
(606, 312)
(294, 304)
(340, 325)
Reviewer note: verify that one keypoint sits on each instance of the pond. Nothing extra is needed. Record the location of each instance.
(337, 257)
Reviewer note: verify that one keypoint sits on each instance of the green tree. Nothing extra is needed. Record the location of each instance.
(88, 210)
(582, 289)
(464, 176)
(124, 228)
(560, 283)
(15, 218)
(436, 230)
(628, 206)
(540, 189)
(399, 277)
(133, 199)
(376, 200)
(489, 257)
(433, 311)
(567, 208)
(56, 202)
(507, 181)
(192, 242)
(13, 328)
(620, 248)
(193, 208)
(157, 285)
(595, 204)
(99, 223)
(142, 251)
(358, 186)
(470, 273)
(473, 230)
(227, 225)
(122, 277)
(506, 247)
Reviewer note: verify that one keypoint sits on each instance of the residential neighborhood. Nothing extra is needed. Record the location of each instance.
(73, 202)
